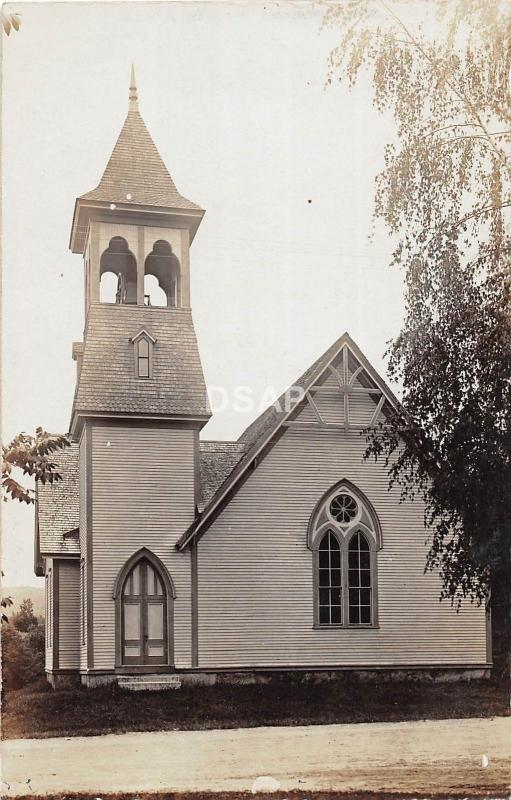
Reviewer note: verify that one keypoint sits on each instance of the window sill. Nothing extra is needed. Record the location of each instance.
(317, 627)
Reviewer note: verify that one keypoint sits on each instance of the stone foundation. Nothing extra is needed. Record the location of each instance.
(63, 680)
(250, 677)
(241, 678)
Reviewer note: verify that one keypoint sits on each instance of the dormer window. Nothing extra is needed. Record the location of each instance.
(143, 344)
(143, 358)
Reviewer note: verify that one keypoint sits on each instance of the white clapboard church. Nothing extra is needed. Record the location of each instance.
(166, 554)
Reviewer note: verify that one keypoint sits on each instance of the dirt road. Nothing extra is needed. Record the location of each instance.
(421, 757)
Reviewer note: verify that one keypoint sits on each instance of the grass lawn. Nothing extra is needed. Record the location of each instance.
(38, 711)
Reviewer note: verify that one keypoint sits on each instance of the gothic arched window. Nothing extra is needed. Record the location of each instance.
(143, 344)
(329, 580)
(359, 580)
(344, 536)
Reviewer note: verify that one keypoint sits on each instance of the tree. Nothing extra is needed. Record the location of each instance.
(30, 455)
(445, 195)
(25, 619)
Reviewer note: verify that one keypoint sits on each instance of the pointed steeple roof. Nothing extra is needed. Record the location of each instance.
(135, 173)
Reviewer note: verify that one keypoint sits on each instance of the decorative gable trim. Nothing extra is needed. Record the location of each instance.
(345, 386)
(146, 334)
(263, 444)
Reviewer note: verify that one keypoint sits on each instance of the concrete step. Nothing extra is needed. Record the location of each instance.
(149, 683)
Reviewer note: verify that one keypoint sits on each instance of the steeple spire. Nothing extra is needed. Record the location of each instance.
(133, 89)
(135, 177)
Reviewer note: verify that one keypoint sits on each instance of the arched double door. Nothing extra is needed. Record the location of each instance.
(144, 615)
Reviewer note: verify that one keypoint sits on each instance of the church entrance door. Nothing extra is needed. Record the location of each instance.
(144, 616)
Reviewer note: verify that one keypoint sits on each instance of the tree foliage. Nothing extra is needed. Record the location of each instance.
(445, 195)
(22, 656)
(30, 454)
(25, 619)
(5, 602)
(10, 21)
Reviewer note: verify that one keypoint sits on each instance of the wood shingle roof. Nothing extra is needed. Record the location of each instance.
(58, 505)
(135, 173)
(107, 382)
(217, 461)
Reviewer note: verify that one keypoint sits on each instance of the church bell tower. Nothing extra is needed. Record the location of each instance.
(139, 405)
(134, 231)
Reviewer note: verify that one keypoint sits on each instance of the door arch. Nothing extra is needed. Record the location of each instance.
(144, 595)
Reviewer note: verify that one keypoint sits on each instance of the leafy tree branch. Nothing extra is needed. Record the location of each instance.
(31, 456)
(442, 70)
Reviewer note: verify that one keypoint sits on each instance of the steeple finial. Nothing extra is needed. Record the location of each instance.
(133, 89)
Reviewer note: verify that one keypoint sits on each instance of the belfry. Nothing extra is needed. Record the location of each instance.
(136, 229)
(116, 225)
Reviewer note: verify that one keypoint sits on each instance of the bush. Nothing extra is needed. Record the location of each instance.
(36, 641)
(22, 656)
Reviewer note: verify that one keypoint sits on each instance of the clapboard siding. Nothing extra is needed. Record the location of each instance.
(255, 571)
(305, 413)
(362, 408)
(143, 496)
(83, 547)
(330, 407)
(69, 614)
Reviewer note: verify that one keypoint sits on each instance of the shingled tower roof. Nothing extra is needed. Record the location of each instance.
(135, 181)
(135, 173)
(107, 384)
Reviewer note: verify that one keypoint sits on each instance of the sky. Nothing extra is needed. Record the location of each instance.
(234, 97)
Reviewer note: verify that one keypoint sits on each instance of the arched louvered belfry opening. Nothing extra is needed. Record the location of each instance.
(118, 262)
(162, 266)
(144, 595)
